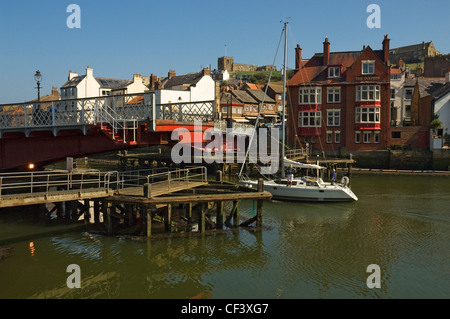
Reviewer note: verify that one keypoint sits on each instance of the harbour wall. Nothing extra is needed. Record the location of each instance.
(415, 159)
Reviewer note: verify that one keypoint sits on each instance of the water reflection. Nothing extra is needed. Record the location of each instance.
(305, 251)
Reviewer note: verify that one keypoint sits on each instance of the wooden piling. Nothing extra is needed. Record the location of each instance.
(201, 217)
(96, 212)
(259, 204)
(106, 208)
(235, 213)
(147, 212)
(168, 218)
(219, 218)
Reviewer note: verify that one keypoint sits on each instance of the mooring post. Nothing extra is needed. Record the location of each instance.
(147, 212)
(235, 213)
(349, 170)
(129, 213)
(219, 221)
(259, 205)
(168, 218)
(87, 208)
(96, 212)
(201, 211)
(106, 208)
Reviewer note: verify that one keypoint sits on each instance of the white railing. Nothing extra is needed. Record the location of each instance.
(42, 183)
(58, 181)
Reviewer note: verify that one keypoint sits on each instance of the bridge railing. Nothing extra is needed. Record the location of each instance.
(46, 182)
(88, 111)
(186, 111)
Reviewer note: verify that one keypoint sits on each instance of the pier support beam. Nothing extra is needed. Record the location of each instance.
(235, 213)
(201, 211)
(146, 214)
(168, 218)
(259, 204)
(96, 212)
(219, 218)
(107, 207)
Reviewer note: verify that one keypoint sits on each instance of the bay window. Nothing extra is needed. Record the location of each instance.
(368, 93)
(310, 95)
(367, 115)
(309, 119)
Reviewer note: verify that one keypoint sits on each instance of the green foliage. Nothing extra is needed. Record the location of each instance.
(435, 124)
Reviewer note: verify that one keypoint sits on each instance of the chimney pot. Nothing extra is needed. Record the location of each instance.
(326, 51)
(298, 57)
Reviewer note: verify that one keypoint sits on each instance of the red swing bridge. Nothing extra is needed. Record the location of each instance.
(39, 133)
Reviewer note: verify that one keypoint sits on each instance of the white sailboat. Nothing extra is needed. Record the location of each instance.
(301, 188)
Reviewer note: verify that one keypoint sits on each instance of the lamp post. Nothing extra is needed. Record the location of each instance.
(38, 78)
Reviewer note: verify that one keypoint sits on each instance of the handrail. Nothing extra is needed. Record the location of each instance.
(37, 183)
(45, 182)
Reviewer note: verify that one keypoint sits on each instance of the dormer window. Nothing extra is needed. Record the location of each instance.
(368, 67)
(334, 72)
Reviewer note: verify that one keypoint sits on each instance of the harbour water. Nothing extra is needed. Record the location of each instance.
(306, 250)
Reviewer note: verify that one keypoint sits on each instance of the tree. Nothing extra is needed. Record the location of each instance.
(435, 124)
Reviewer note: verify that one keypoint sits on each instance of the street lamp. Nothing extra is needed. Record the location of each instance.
(38, 78)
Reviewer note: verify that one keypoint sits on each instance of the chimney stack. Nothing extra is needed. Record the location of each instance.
(206, 71)
(386, 49)
(171, 74)
(89, 72)
(72, 75)
(326, 52)
(298, 57)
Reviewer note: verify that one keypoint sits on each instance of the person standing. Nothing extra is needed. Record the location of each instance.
(333, 177)
(290, 175)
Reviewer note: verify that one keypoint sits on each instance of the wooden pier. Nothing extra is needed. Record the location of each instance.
(180, 201)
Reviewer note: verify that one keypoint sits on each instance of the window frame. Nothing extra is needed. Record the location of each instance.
(333, 69)
(367, 134)
(337, 137)
(368, 63)
(368, 90)
(316, 116)
(367, 112)
(334, 91)
(335, 116)
(307, 92)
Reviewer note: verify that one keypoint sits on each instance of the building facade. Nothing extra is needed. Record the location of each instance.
(340, 100)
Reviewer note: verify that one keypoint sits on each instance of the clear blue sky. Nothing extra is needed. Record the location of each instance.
(119, 38)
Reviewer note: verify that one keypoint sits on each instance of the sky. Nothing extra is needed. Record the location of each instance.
(120, 38)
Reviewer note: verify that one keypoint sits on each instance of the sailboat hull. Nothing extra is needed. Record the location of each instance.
(305, 193)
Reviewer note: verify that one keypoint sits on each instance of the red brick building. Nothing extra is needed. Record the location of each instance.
(340, 100)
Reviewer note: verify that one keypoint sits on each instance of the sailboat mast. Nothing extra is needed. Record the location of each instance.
(283, 124)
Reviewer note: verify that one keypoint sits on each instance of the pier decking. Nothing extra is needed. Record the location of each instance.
(131, 202)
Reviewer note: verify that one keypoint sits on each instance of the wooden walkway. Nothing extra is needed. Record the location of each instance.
(160, 188)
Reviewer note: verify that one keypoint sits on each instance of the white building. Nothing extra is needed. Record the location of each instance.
(186, 88)
(442, 105)
(88, 86)
(397, 96)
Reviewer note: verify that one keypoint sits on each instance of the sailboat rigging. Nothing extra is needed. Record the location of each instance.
(301, 188)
